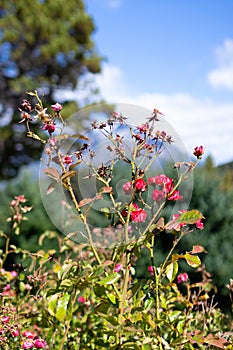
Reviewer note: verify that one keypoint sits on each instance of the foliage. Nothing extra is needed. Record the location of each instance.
(212, 194)
(45, 45)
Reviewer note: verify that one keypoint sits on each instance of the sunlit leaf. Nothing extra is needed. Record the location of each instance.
(192, 260)
(112, 278)
(190, 217)
(62, 311)
(171, 271)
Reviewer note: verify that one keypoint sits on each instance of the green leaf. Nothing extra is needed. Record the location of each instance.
(190, 217)
(111, 297)
(52, 302)
(112, 278)
(62, 311)
(192, 260)
(171, 271)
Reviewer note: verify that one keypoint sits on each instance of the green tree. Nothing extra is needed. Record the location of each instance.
(45, 45)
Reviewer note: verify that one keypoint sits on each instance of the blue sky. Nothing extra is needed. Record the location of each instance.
(175, 55)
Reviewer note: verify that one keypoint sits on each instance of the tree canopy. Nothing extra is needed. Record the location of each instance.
(45, 45)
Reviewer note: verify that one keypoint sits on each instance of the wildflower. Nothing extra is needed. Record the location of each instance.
(118, 267)
(50, 127)
(151, 270)
(125, 210)
(14, 274)
(57, 107)
(28, 334)
(143, 128)
(138, 215)
(175, 196)
(67, 160)
(160, 180)
(15, 333)
(5, 319)
(182, 277)
(28, 344)
(157, 195)
(40, 343)
(199, 224)
(127, 187)
(82, 299)
(140, 185)
(198, 152)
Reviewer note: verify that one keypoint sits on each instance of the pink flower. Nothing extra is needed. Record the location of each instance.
(138, 215)
(151, 270)
(28, 286)
(162, 180)
(57, 107)
(7, 287)
(143, 128)
(50, 127)
(15, 333)
(127, 187)
(14, 274)
(175, 196)
(199, 224)
(140, 185)
(67, 160)
(182, 277)
(28, 334)
(118, 268)
(198, 152)
(40, 343)
(5, 319)
(157, 195)
(82, 299)
(28, 344)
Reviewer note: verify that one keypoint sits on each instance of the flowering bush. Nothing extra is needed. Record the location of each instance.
(86, 295)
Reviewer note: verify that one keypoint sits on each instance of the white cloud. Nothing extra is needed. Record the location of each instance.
(222, 77)
(198, 121)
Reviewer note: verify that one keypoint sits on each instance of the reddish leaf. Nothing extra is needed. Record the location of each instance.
(51, 187)
(215, 341)
(53, 173)
(86, 201)
(198, 249)
(172, 225)
(106, 189)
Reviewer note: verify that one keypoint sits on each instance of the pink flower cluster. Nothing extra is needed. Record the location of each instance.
(32, 341)
(182, 277)
(137, 214)
(165, 188)
(139, 186)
